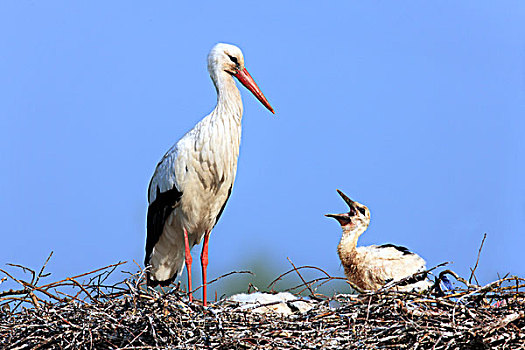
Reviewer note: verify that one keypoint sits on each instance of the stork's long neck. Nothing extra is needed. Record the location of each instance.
(348, 241)
(229, 103)
(223, 127)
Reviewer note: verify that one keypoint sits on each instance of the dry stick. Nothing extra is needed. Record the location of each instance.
(34, 299)
(310, 282)
(13, 298)
(324, 280)
(47, 286)
(45, 342)
(333, 278)
(140, 276)
(40, 274)
(292, 270)
(9, 292)
(458, 278)
(312, 294)
(72, 297)
(106, 275)
(25, 269)
(477, 261)
(368, 309)
(138, 265)
(503, 322)
(20, 282)
(514, 278)
(35, 288)
(222, 276)
(130, 343)
(64, 282)
(483, 289)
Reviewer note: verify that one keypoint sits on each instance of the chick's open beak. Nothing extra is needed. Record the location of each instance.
(347, 200)
(343, 219)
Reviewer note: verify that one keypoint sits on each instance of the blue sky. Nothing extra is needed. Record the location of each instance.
(414, 109)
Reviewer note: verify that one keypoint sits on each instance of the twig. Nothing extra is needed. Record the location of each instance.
(270, 286)
(477, 260)
(40, 274)
(222, 276)
(312, 294)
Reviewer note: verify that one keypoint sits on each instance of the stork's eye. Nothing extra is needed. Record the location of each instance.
(234, 59)
(362, 210)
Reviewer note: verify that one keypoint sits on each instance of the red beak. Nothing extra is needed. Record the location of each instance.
(246, 79)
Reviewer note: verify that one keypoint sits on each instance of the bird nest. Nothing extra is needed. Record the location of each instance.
(86, 312)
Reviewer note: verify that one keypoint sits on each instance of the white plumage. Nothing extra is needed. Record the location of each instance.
(194, 179)
(370, 268)
(283, 303)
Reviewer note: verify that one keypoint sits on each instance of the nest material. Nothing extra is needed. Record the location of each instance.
(90, 315)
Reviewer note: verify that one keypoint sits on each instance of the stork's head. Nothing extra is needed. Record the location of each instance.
(357, 219)
(225, 57)
(229, 59)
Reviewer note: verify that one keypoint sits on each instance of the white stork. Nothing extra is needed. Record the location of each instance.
(370, 268)
(194, 179)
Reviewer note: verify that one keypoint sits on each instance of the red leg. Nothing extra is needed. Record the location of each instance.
(204, 264)
(188, 262)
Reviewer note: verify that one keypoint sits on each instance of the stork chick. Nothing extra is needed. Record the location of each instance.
(370, 268)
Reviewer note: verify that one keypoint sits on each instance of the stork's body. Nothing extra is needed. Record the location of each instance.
(371, 267)
(194, 179)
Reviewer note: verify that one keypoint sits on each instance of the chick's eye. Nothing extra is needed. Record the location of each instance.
(362, 210)
(234, 59)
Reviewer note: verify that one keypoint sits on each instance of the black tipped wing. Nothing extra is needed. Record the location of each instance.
(414, 279)
(158, 212)
(403, 250)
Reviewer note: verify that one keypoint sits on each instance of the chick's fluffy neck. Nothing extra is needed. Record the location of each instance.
(347, 244)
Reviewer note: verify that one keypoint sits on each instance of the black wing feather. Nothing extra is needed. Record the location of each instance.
(158, 212)
(414, 279)
(403, 250)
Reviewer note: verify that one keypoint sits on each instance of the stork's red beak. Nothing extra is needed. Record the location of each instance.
(246, 79)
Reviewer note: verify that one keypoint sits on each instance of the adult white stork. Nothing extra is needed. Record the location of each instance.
(371, 267)
(194, 179)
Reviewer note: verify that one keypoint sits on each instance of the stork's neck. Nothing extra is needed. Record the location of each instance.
(350, 236)
(229, 103)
